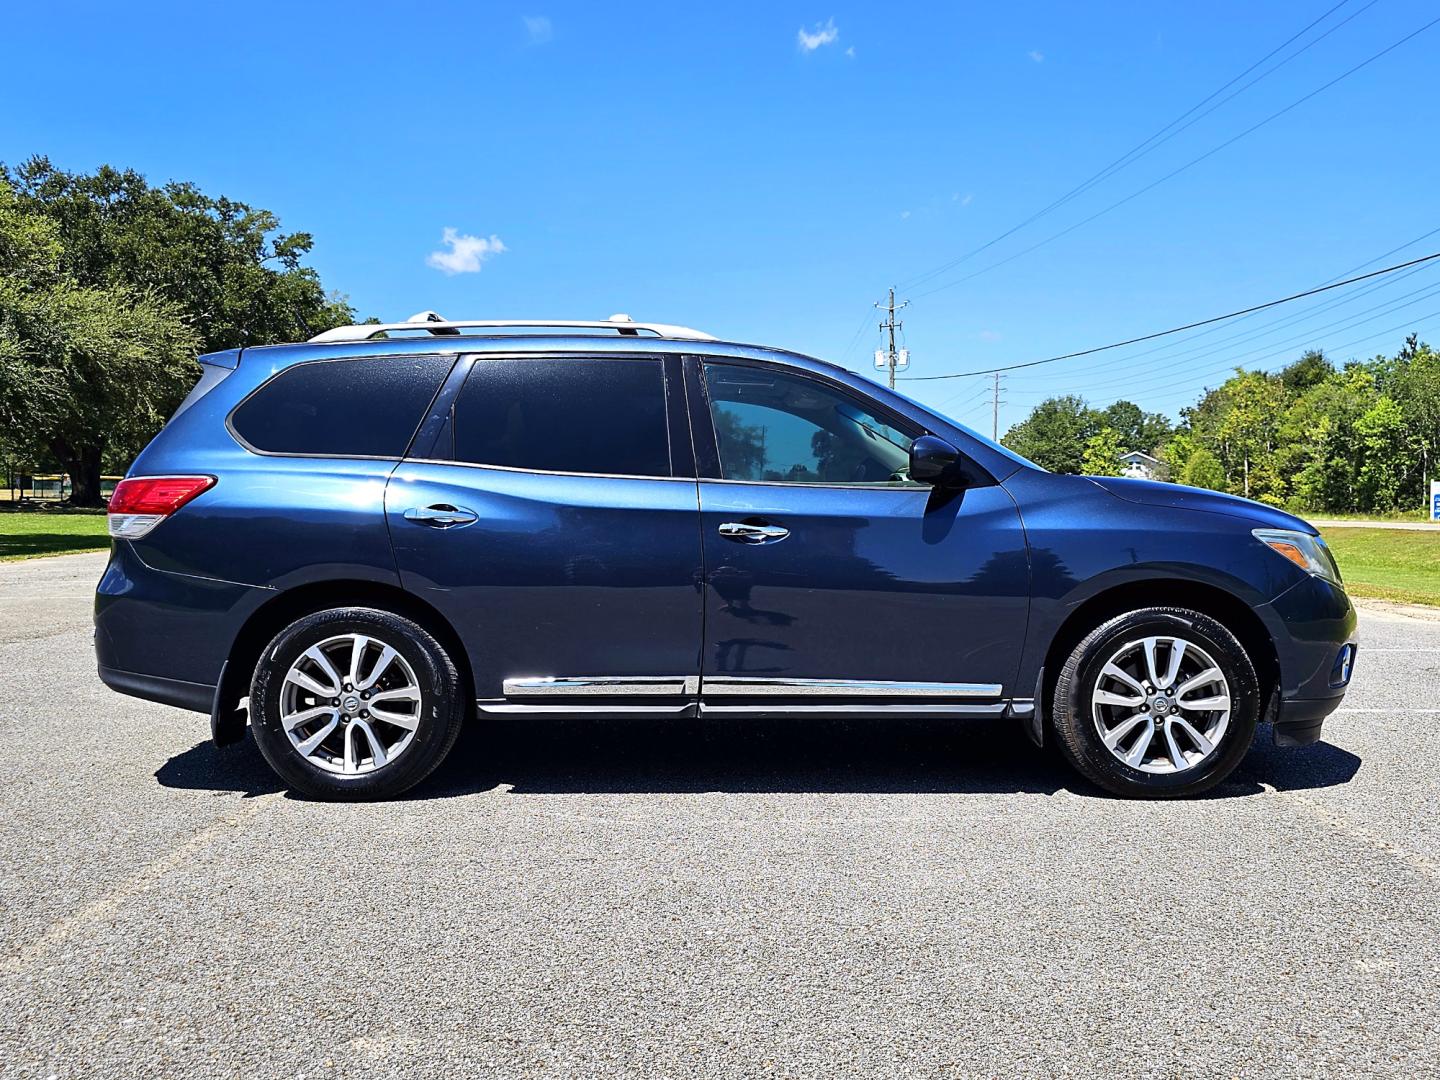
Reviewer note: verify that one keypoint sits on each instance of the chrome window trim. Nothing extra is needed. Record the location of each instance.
(911, 486)
(747, 686)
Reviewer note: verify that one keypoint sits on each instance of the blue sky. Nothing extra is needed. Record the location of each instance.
(765, 171)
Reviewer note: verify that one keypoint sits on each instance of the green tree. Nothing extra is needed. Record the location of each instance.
(1319, 448)
(1102, 454)
(82, 368)
(224, 264)
(1385, 449)
(1055, 433)
(1415, 386)
(1310, 370)
(1203, 469)
(1175, 453)
(1137, 429)
(110, 287)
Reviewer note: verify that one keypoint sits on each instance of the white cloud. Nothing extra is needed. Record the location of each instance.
(990, 335)
(825, 33)
(1036, 55)
(466, 253)
(963, 200)
(539, 27)
(904, 214)
(850, 52)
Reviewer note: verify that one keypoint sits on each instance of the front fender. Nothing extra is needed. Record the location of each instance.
(1085, 542)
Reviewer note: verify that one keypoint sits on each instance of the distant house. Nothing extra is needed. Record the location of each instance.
(1141, 465)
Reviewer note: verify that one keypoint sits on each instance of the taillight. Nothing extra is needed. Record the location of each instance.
(142, 502)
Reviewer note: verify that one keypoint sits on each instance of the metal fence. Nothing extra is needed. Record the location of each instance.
(54, 487)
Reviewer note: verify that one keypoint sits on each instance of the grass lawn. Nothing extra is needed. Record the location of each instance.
(27, 533)
(1389, 564)
(1394, 515)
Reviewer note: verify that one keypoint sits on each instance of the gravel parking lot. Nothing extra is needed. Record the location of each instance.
(686, 899)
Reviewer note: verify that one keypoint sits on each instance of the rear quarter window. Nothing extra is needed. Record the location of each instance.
(342, 408)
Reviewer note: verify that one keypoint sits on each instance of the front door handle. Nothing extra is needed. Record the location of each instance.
(742, 533)
(440, 516)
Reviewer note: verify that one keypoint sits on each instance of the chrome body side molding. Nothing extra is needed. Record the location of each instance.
(747, 686)
(691, 695)
(510, 708)
(838, 709)
(603, 686)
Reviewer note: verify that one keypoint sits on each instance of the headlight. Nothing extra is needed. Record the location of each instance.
(1305, 551)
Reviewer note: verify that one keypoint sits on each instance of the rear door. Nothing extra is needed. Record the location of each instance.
(552, 518)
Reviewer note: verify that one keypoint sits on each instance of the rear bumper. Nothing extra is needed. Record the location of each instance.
(197, 697)
(163, 636)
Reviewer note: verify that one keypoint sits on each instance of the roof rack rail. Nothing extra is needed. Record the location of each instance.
(436, 324)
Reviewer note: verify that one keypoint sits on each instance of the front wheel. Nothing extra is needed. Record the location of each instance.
(355, 703)
(1157, 703)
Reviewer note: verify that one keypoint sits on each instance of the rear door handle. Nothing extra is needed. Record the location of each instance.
(440, 516)
(742, 533)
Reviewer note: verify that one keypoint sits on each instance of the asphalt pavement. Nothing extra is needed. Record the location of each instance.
(662, 898)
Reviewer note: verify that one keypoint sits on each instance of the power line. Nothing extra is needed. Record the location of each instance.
(1255, 333)
(864, 320)
(1271, 350)
(1163, 135)
(1183, 168)
(1181, 329)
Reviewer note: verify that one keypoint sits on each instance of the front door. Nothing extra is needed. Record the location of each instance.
(549, 525)
(829, 573)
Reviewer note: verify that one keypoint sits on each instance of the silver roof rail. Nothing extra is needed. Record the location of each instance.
(436, 324)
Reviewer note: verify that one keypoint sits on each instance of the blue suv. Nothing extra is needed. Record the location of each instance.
(358, 542)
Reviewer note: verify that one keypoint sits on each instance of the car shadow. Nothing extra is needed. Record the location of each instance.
(585, 756)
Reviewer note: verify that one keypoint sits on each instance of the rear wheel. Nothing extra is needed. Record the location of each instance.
(1157, 703)
(355, 703)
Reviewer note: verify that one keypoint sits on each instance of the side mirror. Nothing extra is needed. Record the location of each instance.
(935, 461)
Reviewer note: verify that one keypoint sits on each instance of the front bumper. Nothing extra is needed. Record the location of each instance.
(1310, 623)
(1298, 722)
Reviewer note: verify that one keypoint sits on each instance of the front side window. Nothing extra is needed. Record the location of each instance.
(778, 427)
(580, 415)
(342, 408)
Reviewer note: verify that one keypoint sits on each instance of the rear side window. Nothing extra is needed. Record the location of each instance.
(582, 415)
(342, 408)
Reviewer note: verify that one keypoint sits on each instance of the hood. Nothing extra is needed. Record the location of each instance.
(1155, 493)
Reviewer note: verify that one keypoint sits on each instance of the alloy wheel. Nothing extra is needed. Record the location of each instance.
(1161, 704)
(350, 704)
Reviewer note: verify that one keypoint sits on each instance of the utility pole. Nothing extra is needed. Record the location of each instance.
(995, 411)
(890, 356)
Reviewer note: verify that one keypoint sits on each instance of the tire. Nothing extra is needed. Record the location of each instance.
(1091, 697)
(412, 724)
